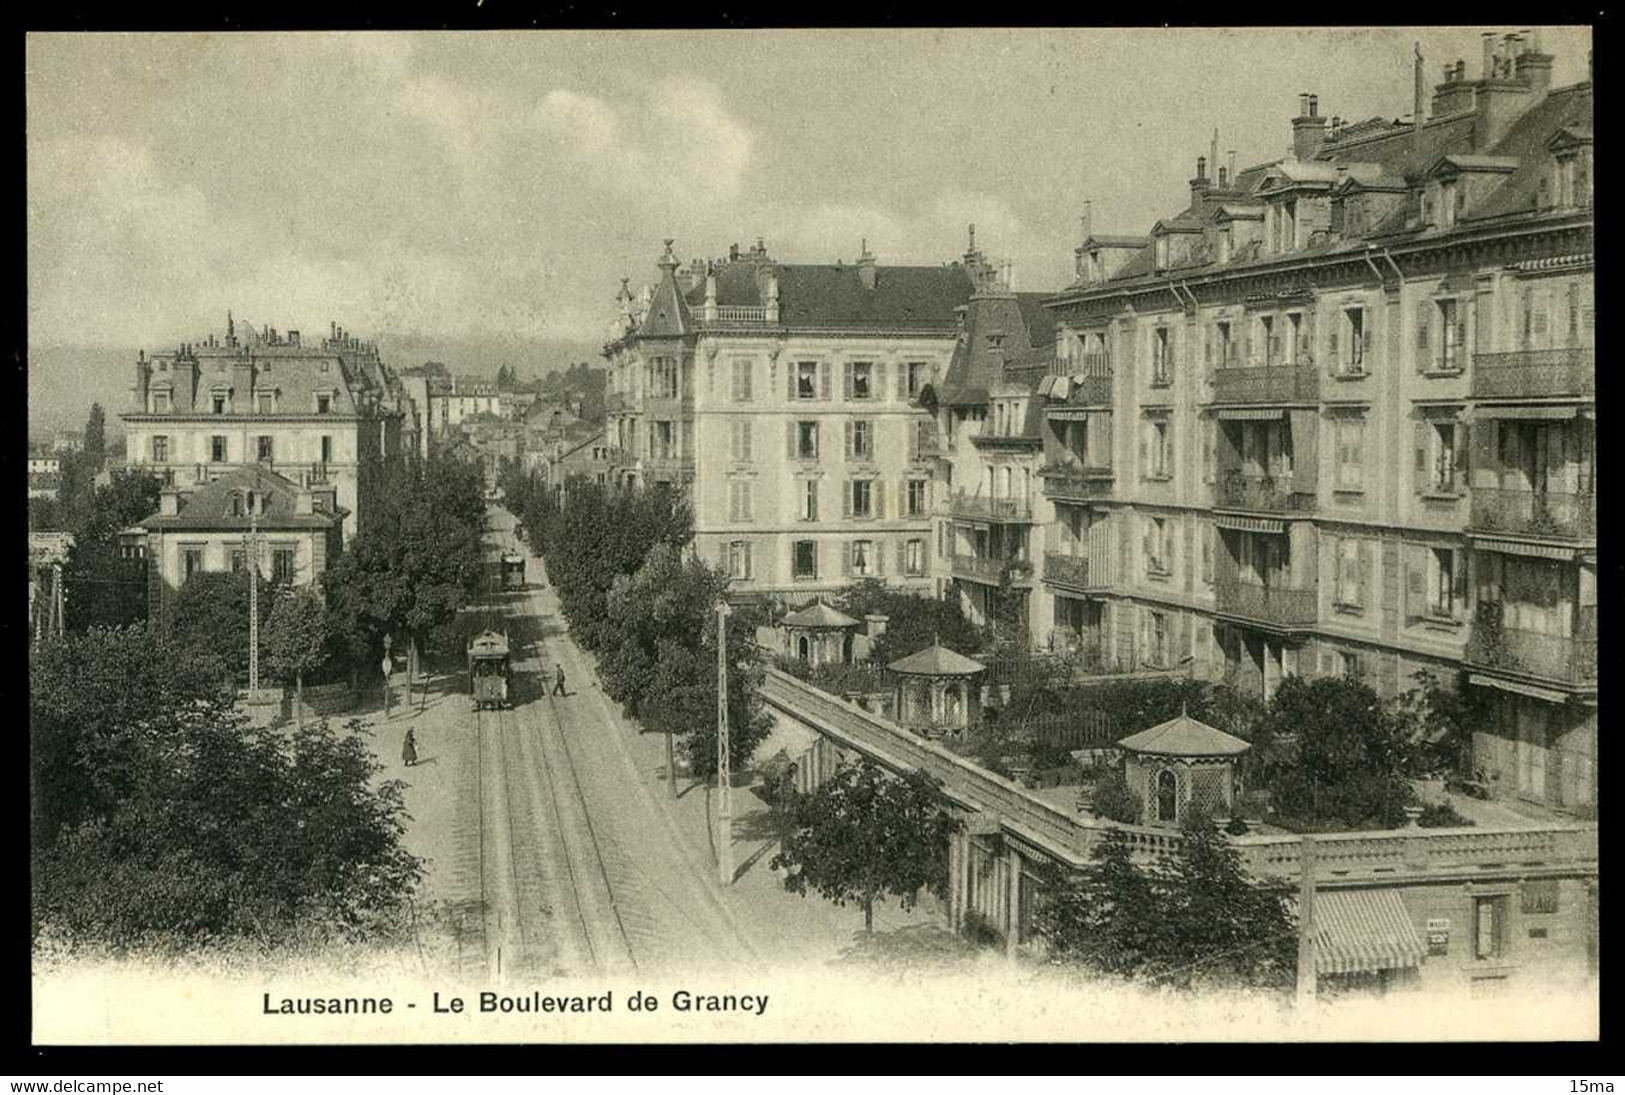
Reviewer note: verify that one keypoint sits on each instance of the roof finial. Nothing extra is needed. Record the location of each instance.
(1184, 709)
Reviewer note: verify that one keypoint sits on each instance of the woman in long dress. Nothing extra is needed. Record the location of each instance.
(409, 750)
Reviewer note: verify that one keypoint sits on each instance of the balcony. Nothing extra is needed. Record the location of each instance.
(617, 403)
(1267, 384)
(1080, 572)
(1091, 376)
(1535, 374)
(1531, 513)
(1564, 660)
(979, 507)
(731, 315)
(1076, 483)
(1237, 490)
(991, 570)
(1277, 607)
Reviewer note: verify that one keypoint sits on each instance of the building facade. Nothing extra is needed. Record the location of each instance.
(785, 400)
(329, 412)
(1338, 416)
(294, 530)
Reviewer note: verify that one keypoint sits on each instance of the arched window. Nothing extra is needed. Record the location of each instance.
(804, 648)
(1167, 795)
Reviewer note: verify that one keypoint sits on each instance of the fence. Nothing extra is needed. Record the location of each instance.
(1068, 730)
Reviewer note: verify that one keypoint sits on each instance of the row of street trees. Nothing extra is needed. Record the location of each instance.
(636, 596)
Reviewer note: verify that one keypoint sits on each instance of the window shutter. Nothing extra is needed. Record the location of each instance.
(1207, 349)
(1168, 449)
(790, 377)
(1458, 569)
(902, 556)
(747, 431)
(846, 558)
(877, 383)
(846, 380)
(846, 499)
(749, 572)
(847, 431)
(1306, 340)
(1246, 355)
(1145, 431)
(1421, 483)
(1464, 311)
(823, 380)
(874, 440)
(1364, 553)
(879, 499)
(879, 548)
(1424, 321)
(1416, 577)
(750, 501)
(1366, 334)
(733, 440)
(1461, 464)
(790, 439)
(748, 373)
(1333, 353)
(722, 558)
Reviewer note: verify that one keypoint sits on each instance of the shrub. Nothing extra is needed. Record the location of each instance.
(1115, 800)
(1442, 815)
(1237, 827)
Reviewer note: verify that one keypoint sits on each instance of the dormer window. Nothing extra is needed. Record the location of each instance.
(1162, 252)
(1224, 235)
(324, 403)
(1427, 207)
(218, 404)
(264, 403)
(161, 402)
(1571, 183)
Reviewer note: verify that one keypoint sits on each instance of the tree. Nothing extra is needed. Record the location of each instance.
(297, 640)
(864, 835)
(209, 616)
(210, 830)
(86, 687)
(913, 622)
(96, 438)
(1335, 756)
(104, 589)
(1196, 920)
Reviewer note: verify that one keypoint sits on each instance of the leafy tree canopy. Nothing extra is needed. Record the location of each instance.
(864, 835)
(913, 622)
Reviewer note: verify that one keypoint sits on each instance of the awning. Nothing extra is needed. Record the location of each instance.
(1248, 524)
(1527, 411)
(1519, 547)
(1550, 695)
(1364, 930)
(1250, 414)
(1067, 414)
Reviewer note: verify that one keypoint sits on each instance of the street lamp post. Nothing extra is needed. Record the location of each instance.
(725, 851)
(388, 640)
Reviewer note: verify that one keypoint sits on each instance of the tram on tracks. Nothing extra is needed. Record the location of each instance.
(490, 670)
(513, 571)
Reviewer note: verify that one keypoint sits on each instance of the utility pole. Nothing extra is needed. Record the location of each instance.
(1306, 923)
(725, 851)
(253, 600)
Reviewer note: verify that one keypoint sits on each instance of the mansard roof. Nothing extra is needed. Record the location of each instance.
(835, 296)
(209, 508)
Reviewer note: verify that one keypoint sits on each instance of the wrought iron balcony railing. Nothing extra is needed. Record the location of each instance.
(1094, 571)
(1534, 513)
(1526, 374)
(1562, 659)
(991, 568)
(976, 505)
(1280, 606)
(1077, 483)
(1239, 490)
(1267, 384)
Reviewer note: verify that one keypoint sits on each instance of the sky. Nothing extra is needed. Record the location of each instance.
(496, 186)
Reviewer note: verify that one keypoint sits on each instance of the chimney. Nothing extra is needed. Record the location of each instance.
(866, 267)
(1416, 103)
(1489, 56)
(711, 311)
(1501, 100)
(1199, 184)
(1231, 156)
(733, 252)
(169, 502)
(1224, 179)
(303, 504)
(773, 296)
(1308, 128)
(1533, 67)
(1088, 211)
(1213, 152)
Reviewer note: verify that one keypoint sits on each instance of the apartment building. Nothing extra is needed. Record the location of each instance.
(785, 400)
(322, 413)
(1338, 415)
(990, 416)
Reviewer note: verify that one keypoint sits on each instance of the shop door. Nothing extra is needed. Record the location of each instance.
(1532, 751)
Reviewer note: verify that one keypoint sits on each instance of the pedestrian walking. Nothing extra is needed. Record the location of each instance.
(558, 680)
(409, 749)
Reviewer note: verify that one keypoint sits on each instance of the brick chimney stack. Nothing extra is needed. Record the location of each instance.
(1308, 128)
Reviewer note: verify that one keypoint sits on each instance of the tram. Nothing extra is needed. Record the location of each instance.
(513, 571)
(490, 669)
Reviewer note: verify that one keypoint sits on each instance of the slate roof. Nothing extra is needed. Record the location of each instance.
(1526, 140)
(821, 296)
(209, 508)
(1029, 336)
(936, 661)
(1115, 241)
(819, 614)
(1183, 736)
(293, 372)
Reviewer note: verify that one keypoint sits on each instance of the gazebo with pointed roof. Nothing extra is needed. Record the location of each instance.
(933, 690)
(1179, 764)
(818, 634)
